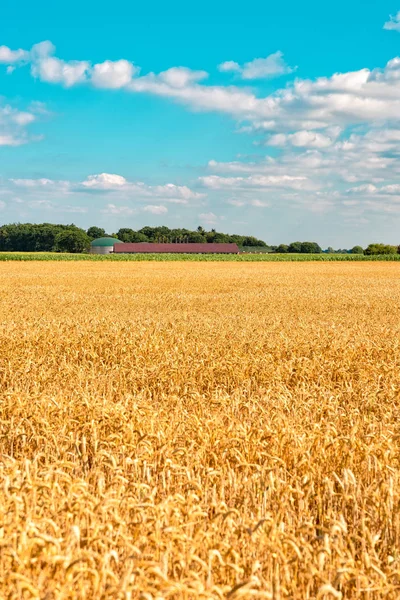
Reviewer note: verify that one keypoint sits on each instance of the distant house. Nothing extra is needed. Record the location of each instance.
(147, 248)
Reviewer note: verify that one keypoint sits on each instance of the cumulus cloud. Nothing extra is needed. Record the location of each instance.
(367, 158)
(14, 125)
(246, 202)
(107, 182)
(112, 209)
(328, 133)
(47, 67)
(10, 57)
(51, 206)
(51, 69)
(229, 66)
(42, 191)
(343, 99)
(179, 77)
(304, 139)
(372, 190)
(306, 105)
(393, 23)
(259, 203)
(367, 188)
(110, 183)
(235, 202)
(113, 75)
(217, 182)
(273, 65)
(54, 70)
(156, 209)
(42, 184)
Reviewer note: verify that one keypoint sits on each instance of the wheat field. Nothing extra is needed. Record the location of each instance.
(199, 431)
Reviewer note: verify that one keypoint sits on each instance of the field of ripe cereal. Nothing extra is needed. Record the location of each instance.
(199, 430)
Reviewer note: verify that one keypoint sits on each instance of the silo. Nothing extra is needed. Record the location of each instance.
(104, 245)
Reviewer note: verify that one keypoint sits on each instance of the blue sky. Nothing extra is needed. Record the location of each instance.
(280, 121)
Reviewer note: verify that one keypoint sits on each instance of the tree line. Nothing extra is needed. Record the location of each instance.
(49, 237)
(314, 248)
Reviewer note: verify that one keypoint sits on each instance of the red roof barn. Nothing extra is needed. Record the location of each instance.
(148, 247)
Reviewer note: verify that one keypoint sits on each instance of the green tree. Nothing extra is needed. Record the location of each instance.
(139, 237)
(380, 249)
(252, 241)
(96, 232)
(221, 238)
(295, 247)
(125, 234)
(282, 249)
(129, 235)
(357, 250)
(195, 237)
(31, 237)
(72, 240)
(310, 248)
(237, 239)
(148, 232)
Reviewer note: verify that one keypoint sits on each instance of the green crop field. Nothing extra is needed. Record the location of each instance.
(56, 256)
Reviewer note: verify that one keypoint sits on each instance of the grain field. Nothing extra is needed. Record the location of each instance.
(199, 431)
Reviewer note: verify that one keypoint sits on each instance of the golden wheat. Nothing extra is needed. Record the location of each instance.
(194, 430)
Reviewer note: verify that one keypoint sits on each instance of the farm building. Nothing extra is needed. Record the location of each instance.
(146, 248)
(103, 245)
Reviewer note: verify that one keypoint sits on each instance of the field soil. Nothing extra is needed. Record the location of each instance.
(199, 430)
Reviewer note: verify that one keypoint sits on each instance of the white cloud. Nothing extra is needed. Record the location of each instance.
(229, 66)
(216, 182)
(368, 159)
(304, 139)
(41, 50)
(112, 209)
(107, 182)
(10, 140)
(49, 205)
(155, 209)
(235, 202)
(179, 77)
(259, 203)
(54, 70)
(44, 190)
(113, 75)
(391, 189)
(343, 99)
(259, 68)
(110, 183)
(370, 189)
(245, 202)
(328, 133)
(13, 125)
(366, 188)
(51, 69)
(10, 57)
(29, 183)
(23, 118)
(394, 23)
